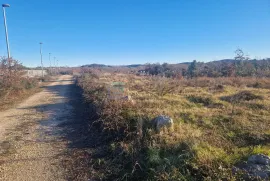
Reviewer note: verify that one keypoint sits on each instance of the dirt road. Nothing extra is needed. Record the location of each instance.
(31, 141)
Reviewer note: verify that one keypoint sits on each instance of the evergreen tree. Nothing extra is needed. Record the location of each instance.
(192, 69)
(239, 61)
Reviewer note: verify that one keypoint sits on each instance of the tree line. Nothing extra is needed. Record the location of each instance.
(241, 66)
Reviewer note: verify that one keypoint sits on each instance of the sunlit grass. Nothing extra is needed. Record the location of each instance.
(216, 133)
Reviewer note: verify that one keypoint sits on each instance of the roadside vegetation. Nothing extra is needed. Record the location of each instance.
(218, 122)
(14, 86)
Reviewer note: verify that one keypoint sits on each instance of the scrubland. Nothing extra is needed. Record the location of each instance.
(14, 86)
(218, 122)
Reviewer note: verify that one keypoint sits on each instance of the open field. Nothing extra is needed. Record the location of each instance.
(218, 122)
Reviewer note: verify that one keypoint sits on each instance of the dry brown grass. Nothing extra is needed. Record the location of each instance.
(14, 86)
(14, 92)
(209, 136)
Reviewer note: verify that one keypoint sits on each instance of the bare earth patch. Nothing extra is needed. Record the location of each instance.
(31, 142)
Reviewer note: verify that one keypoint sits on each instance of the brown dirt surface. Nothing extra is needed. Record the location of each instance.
(33, 144)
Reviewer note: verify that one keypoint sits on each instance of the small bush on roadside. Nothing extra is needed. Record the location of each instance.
(45, 78)
(12, 79)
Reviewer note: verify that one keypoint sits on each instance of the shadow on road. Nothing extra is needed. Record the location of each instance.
(58, 80)
(70, 116)
(64, 121)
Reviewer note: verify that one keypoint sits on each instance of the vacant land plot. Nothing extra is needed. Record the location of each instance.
(217, 123)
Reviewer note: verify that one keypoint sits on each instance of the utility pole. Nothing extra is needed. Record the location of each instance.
(54, 64)
(6, 31)
(50, 63)
(57, 67)
(41, 58)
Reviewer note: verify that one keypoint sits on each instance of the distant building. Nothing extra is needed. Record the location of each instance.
(35, 73)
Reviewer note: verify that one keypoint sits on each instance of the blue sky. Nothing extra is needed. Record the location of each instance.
(120, 32)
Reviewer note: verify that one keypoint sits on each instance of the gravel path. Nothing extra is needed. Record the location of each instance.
(31, 142)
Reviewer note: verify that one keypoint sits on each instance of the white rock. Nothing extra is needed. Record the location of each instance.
(162, 121)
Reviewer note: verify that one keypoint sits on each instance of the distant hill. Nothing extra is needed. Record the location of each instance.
(182, 64)
(96, 65)
(223, 61)
(103, 65)
(132, 65)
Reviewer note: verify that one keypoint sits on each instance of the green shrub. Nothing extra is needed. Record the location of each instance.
(205, 101)
(241, 96)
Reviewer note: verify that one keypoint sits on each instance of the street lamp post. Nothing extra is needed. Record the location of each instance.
(50, 63)
(54, 64)
(6, 31)
(57, 67)
(41, 58)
